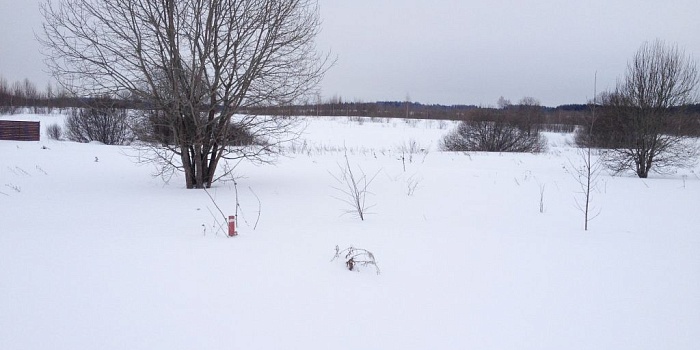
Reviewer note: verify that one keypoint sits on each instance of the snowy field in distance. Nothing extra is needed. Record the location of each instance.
(101, 255)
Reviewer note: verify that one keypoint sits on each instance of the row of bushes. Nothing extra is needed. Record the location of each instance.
(491, 130)
(118, 126)
(498, 131)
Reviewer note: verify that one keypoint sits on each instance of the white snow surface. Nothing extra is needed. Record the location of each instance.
(102, 255)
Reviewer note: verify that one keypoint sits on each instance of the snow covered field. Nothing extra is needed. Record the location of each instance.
(101, 255)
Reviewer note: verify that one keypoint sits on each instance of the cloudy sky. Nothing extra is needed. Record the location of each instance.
(450, 51)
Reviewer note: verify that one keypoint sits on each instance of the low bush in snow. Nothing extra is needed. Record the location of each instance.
(353, 188)
(497, 135)
(355, 258)
(54, 131)
(98, 122)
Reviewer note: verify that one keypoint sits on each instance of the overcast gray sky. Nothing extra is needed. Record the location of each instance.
(450, 51)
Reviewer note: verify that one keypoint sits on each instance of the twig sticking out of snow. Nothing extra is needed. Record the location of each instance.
(353, 188)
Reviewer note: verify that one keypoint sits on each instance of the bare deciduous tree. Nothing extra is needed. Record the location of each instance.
(198, 63)
(503, 103)
(529, 115)
(587, 173)
(660, 80)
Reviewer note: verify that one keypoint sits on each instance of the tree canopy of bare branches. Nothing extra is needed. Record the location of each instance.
(195, 63)
(643, 115)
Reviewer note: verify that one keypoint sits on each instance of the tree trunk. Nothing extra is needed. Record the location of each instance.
(198, 167)
(643, 168)
(212, 164)
(187, 166)
(199, 172)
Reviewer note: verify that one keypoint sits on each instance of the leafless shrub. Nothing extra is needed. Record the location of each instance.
(412, 184)
(411, 147)
(409, 150)
(100, 123)
(353, 188)
(493, 131)
(54, 131)
(411, 122)
(355, 258)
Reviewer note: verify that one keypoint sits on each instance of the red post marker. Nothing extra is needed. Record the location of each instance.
(232, 226)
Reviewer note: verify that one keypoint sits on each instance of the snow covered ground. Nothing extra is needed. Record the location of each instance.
(101, 255)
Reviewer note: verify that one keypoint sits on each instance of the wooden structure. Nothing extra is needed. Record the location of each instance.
(11, 130)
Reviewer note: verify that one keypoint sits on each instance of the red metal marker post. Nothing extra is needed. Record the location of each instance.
(232, 226)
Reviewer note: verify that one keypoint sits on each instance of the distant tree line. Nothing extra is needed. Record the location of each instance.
(22, 95)
(25, 94)
(564, 118)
